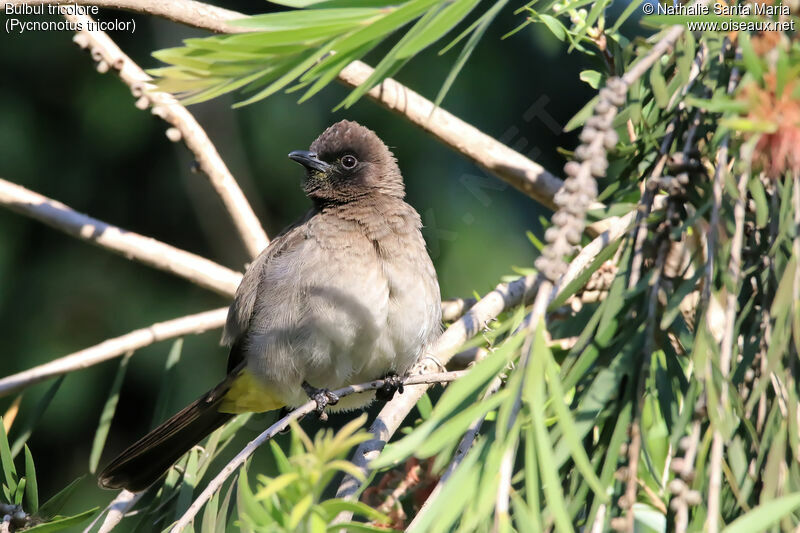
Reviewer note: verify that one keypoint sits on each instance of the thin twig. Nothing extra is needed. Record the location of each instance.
(115, 511)
(458, 457)
(726, 355)
(488, 153)
(635, 445)
(544, 295)
(165, 106)
(192, 324)
(283, 423)
(640, 67)
(127, 243)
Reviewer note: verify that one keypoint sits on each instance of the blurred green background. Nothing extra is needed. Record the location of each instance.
(74, 135)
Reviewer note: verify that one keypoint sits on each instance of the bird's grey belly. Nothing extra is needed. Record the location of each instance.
(346, 324)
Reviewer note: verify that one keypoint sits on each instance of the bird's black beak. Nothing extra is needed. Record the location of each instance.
(310, 160)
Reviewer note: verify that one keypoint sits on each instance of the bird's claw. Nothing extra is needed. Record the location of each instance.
(391, 383)
(323, 398)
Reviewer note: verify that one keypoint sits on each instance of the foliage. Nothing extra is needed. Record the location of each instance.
(677, 399)
(20, 497)
(294, 500)
(308, 47)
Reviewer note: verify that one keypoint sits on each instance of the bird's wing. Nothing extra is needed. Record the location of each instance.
(240, 312)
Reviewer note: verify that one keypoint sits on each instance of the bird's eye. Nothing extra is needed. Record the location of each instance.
(349, 162)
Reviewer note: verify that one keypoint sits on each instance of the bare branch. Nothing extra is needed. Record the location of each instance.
(488, 153)
(115, 511)
(215, 484)
(455, 308)
(461, 451)
(129, 244)
(116, 347)
(165, 106)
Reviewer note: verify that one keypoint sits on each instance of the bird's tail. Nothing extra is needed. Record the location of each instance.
(147, 459)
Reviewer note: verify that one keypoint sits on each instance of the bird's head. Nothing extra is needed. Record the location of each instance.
(347, 162)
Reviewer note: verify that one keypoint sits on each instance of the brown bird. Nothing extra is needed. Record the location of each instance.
(345, 295)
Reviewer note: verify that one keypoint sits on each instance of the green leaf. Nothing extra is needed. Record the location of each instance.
(756, 189)
(447, 507)
(31, 489)
(752, 62)
(167, 380)
(673, 307)
(107, 415)
(718, 104)
(565, 419)
(288, 77)
(748, 125)
(554, 25)
(20, 492)
(391, 62)
(469, 47)
(209, 523)
(544, 448)
(454, 397)
(452, 430)
(659, 86)
(9, 471)
(355, 527)
(222, 515)
(335, 3)
(247, 504)
(592, 77)
(598, 6)
(425, 407)
(335, 506)
(51, 507)
(33, 420)
(188, 485)
(532, 480)
(580, 281)
(764, 515)
(582, 115)
(308, 18)
(331, 70)
(380, 29)
(300, 510)
(633, 6)
(276, 485)
(441, 24)
(60, 523)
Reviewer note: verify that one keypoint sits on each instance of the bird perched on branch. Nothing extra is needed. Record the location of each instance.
(345, 295)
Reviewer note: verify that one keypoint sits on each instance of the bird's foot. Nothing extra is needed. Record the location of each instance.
(391, 383)
(322, 397)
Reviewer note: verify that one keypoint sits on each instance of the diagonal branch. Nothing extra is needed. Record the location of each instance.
(186, 127)
(147, 250)
(191, 324)
(488, 153)
(283, 423)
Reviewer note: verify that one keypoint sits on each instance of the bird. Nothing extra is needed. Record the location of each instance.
(346, 294)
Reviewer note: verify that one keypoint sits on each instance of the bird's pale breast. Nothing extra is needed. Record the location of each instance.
(355, 304)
